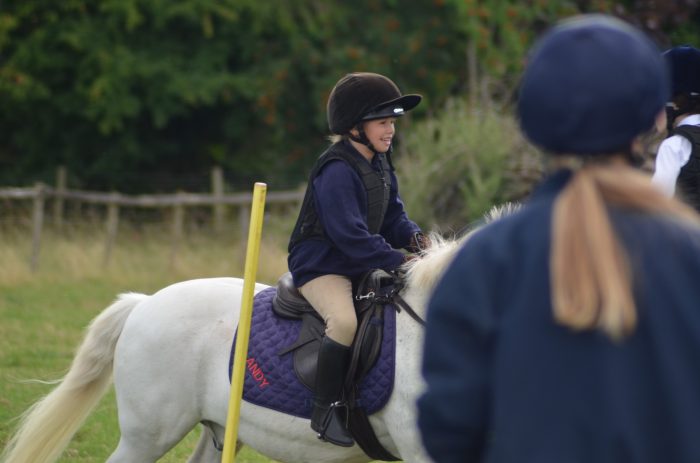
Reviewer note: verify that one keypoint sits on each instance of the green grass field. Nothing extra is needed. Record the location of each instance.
(43, 314)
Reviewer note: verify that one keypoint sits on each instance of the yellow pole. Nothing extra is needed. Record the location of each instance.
(241, 349)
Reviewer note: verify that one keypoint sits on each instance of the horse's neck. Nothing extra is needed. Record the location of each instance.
(409, 337)
(423, 276)
(400, 416)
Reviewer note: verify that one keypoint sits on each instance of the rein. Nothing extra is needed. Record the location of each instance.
(394, 298)
(400, 303)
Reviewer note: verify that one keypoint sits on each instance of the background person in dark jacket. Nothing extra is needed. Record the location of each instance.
(677, 165)
(352, 220)
(570, 331)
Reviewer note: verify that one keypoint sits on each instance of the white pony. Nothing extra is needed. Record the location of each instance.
(168, 354)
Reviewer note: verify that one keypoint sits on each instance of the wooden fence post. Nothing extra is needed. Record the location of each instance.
(243, 220)
(217, 190)
(177, 229)
(112, 226)
(244, 224)
(37, 225)
(61, 181)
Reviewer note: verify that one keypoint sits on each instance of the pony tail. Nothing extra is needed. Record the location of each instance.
(591, 280)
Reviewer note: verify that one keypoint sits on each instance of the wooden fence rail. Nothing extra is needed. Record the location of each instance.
(114, 201)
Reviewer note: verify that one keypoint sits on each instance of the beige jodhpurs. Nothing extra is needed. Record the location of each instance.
(331, 296)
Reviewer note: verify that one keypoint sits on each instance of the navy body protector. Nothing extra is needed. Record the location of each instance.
(377, 185)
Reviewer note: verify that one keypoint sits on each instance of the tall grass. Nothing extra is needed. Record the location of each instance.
(457, 164)
(143, 253)
(43, 314)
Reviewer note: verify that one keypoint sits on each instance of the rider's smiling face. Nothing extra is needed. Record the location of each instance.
(380, 132)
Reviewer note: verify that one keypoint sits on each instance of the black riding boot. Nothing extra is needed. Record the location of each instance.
(329, 416)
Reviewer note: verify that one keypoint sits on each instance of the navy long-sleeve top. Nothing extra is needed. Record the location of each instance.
(506, 383)
(348, 248)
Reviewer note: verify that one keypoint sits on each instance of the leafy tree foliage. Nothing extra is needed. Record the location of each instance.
(147, 95)
(119, 88)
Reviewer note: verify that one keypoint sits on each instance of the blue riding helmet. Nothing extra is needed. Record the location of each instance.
(592, 84)
(684, 62)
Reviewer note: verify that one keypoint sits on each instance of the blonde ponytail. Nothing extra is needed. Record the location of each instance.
(592, 282)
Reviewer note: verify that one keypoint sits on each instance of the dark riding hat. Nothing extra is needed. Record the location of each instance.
(592, 84)
(363, 96)
(684, 63)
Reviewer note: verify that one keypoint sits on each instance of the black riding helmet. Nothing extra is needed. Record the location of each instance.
(684, 63)
(364, 96)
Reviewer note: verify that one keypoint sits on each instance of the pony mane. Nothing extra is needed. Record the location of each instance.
(425, 272)
(502, 210)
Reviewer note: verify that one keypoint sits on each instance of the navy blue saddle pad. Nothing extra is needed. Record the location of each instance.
(270, 380)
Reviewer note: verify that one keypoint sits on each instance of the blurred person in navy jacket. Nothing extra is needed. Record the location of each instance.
(569, 331)
(677, 165)
(352, 220)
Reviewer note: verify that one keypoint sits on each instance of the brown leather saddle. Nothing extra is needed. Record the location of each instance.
(376, 289)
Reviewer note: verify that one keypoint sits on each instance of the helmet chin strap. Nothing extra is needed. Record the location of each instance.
(362, 138)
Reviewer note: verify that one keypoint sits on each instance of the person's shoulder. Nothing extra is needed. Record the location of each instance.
(335, 167)
(673, 143)
(678, 228)
(687, 131)
(529, 216)
(337, 173)
(691, 120)
(672, 243)
(672, 234)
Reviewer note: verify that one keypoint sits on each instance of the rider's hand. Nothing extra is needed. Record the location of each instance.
(419, 243)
